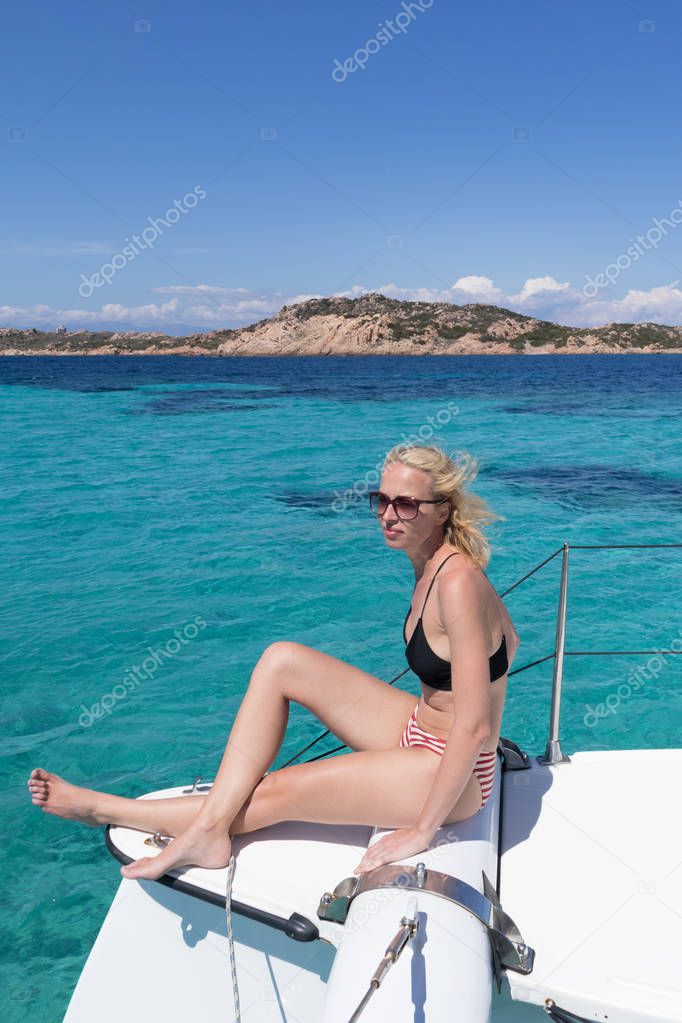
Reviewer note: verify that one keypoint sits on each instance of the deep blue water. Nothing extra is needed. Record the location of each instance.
(141, 492)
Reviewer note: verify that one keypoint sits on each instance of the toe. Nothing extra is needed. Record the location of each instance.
(137, 868)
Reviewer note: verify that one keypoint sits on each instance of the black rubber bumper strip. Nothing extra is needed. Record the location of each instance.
(296, 926)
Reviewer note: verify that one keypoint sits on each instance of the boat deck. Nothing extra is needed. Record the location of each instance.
(282, 870)
(591, 873)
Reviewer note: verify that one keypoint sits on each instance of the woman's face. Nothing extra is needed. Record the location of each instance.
(399, 530)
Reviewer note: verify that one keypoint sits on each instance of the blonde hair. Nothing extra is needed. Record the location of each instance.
(463, 528)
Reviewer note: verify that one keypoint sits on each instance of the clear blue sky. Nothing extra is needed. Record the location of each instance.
(495, 152)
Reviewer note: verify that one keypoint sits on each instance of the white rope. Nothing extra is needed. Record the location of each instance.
(230, 939)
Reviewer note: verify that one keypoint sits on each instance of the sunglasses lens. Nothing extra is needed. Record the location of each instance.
(406, 509)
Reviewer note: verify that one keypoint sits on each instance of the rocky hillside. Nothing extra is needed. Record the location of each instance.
(369, 325)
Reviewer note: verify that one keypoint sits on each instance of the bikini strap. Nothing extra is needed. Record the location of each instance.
(434, 579)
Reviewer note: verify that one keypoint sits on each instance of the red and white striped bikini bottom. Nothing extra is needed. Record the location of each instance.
(484, 768)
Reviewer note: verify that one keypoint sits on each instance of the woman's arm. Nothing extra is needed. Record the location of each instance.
(462, 616)
(454, 771)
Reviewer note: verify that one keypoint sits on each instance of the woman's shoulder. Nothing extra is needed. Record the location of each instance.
(461, 567)
(461, 577)
(464, 584)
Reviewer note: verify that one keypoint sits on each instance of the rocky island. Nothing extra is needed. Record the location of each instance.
(370, 325)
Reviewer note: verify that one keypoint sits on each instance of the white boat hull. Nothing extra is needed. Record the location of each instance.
(589, 870)
(167, 947)
(449, 961)
(163, 955)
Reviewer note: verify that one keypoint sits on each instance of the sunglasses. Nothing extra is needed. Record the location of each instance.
(405, 508)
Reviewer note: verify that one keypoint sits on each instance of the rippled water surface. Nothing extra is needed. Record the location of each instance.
(142, 497)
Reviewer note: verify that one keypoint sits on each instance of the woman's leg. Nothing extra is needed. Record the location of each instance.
(384, 788)
(360, 709)
(57, 796)
(170, 816)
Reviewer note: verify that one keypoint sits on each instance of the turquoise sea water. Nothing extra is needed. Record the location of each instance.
(139, 495)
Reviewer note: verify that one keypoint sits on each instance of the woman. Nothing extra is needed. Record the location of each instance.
(416, 764)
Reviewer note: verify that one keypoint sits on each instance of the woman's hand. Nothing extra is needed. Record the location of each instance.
(403, 842)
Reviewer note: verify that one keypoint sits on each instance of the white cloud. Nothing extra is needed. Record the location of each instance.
(198, 289)
(481, 289)
(462, 292)
(47, 316)
(207, 306)
(166, 312)
(665, 301)
(538, 289)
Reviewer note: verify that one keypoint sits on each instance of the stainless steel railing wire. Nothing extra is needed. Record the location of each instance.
(530, 664)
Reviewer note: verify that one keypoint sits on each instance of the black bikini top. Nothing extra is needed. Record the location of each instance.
(433, 670)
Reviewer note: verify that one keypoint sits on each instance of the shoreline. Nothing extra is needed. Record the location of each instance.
(183, 351)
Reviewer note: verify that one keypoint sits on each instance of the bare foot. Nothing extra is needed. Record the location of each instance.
(199, 845)
(54, 795)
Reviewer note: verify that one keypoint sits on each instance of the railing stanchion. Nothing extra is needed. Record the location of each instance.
(553, 752)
